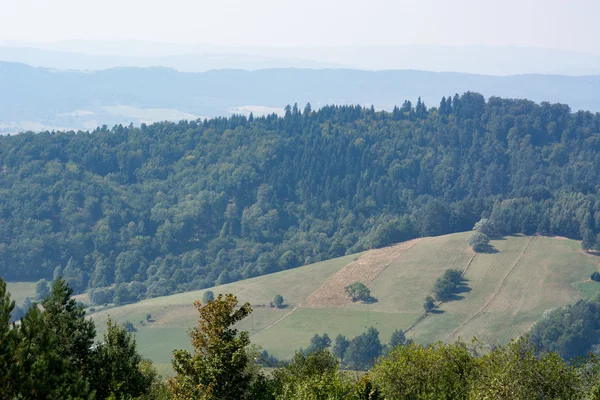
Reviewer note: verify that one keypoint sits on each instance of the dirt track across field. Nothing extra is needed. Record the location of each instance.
(364, 269)
(495, 294)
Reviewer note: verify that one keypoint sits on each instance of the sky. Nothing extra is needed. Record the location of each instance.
(561, 24)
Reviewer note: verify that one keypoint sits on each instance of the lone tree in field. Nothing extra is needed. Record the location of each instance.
(217, 369)
(429, 304)
(207, 296)
(278, 301)
(358, 291)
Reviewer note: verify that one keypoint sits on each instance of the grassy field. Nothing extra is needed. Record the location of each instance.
(508, 291)
(511, 289)
(19, 291)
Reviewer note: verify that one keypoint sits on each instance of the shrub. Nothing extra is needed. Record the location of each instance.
(429, 304)
(479, 242)
(129, 327)
(208, 296)
(447, 284)
(278, 301)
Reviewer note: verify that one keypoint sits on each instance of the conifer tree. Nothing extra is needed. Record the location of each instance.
(8, 343)
(75, 334)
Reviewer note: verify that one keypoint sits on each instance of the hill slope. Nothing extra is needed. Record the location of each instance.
(509, 291)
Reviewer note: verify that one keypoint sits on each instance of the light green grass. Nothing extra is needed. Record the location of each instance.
(403, 285)
(173, 316)
(19, 291)
(548, 272)
(544, 277)
(589, 289)
(296, 330)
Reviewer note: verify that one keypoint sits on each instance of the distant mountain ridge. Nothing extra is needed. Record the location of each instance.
(186, 62)
(37, 98)
(487, 60)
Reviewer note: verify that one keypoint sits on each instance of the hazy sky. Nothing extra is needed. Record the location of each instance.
(564, 24)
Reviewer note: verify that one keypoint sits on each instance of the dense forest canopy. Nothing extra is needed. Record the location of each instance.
(180, 206)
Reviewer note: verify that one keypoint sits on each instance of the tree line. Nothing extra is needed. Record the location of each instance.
(137, 212)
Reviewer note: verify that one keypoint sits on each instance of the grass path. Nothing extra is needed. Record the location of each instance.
(425, 315)
(277, 321)
(491, 299)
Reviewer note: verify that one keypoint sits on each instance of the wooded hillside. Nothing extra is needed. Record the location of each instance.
(173, 207)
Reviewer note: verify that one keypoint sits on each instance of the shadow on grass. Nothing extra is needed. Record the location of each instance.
(437, 311)
(489, 249)
(462, 289)
(368, 300)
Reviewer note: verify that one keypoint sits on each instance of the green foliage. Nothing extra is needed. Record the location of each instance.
(515, 371)
(479, 242)
(312, 376)
(485, 226)
(571, 331)
(74, 333)
(366, 390)
(358, 291)
(101, 296)
(447, 285)
(429, 304)
(278, 300)
(318, 342)
(118, 369)
(417, 372)
(129, 327)
(8, 343)
(398, 339)
(45, 370)
(340, 346)
(42, 289)
(207, 296)
(595, 276)
(182, 206)
(218, 367)
(364, 350)
(49, 355)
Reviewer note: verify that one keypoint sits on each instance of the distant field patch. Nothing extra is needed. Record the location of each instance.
(589, 289)
(19, 291)
(149, 115)
(297, 329)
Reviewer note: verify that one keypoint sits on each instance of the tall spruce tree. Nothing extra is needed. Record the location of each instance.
(75, 334)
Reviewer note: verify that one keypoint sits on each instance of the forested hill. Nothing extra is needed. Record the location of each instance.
(172, 207)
